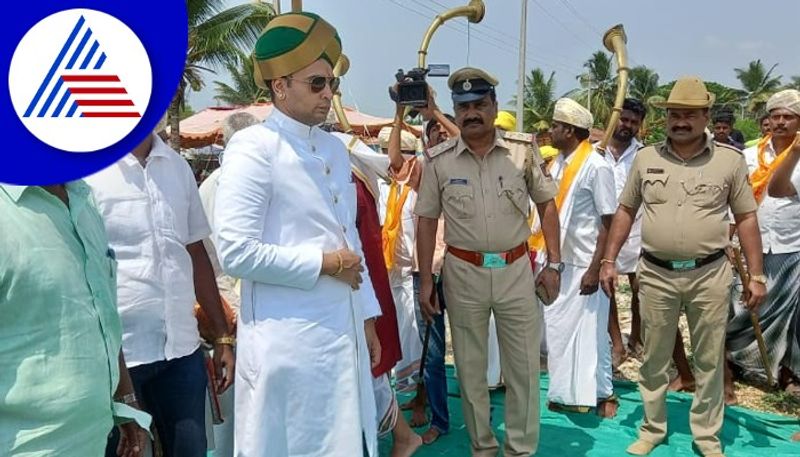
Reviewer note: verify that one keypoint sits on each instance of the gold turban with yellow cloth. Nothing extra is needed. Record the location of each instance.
(291, 42)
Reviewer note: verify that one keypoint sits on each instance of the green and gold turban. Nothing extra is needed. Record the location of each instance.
(291, 42)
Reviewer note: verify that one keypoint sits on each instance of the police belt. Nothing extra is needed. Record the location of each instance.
(490, 259)
(683, 265)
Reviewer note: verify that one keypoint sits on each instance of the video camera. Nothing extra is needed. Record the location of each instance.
(412, 89)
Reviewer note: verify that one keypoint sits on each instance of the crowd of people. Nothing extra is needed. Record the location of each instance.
(328, 267)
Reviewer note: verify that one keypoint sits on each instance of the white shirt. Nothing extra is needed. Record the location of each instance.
(778, 218)
(593, 197)
(151, 214)
(622, 167)
(208, 193)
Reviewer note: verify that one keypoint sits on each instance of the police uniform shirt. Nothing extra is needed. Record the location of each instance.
(686, 202)
(485, 201)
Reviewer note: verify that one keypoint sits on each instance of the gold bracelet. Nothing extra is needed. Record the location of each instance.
(229, 340)
(602, 261)
(341, 264)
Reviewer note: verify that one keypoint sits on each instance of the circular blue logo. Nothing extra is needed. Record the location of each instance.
(87, 82)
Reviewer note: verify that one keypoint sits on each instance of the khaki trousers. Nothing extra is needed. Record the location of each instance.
(704, 295)
(471, 294)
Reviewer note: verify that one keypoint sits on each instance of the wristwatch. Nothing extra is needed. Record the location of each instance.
(761, 279)
(558, 266)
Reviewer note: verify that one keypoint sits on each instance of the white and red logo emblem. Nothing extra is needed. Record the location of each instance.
(80, 80)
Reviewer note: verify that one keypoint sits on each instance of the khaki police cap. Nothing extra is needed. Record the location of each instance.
(469, 84)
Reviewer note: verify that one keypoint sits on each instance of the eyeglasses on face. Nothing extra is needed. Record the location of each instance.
(318, 83)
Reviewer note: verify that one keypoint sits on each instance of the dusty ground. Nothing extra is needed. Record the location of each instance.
(752, 396)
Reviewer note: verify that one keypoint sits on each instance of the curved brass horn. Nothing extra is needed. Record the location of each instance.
(474, 13)
(341, 67)
(615, 40)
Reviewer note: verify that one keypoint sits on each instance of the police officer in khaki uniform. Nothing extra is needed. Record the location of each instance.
(483, 181)
(685, 186)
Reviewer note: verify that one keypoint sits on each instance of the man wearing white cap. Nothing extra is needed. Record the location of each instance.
(779, 222)
(785, 181)
(579, 357)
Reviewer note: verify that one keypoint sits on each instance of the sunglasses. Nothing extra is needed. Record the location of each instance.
(318, 83)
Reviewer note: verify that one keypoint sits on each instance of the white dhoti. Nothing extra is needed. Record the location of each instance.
(407, 369)
(579, 351)
(385, 404)
(628, 257)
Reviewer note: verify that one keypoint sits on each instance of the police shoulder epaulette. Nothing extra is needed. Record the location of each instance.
(441, 147)
(518, 136)
(727, 146)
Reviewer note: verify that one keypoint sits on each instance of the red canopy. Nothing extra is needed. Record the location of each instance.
(205, 127)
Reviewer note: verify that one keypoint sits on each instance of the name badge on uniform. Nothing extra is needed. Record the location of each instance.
(655, 171)
(462, 181)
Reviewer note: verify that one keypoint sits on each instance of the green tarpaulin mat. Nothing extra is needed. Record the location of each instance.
(745, 433)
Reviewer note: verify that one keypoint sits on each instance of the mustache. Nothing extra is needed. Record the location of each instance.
(474, 120)
(678, 129)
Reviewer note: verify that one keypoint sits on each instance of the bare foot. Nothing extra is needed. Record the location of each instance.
(792, 388)
(407, 446)
(433, 434)
(607, 409)
(418, 417)
(795, 437)
(679, 385)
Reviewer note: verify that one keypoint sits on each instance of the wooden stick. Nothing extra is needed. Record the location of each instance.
(762, 345)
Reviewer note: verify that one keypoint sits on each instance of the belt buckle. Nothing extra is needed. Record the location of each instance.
(683, 265)
(494, 260)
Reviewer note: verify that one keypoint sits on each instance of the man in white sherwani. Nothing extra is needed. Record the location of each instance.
(579, 351)
(285, 224)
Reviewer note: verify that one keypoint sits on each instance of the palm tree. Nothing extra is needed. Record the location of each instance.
(727, 97)
(643, 86)
(243, 90)
(598, 87)
(758, 83)
(216, 36)
(795, 84)
(538, 101)
(643, 83)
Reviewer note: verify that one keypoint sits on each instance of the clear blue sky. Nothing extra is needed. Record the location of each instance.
(674, 37)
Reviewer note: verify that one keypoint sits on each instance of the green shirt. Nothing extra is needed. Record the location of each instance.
(60, 333)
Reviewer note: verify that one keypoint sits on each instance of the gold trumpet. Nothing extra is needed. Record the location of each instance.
(341, 67)
(615, 40)
(474, 12)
